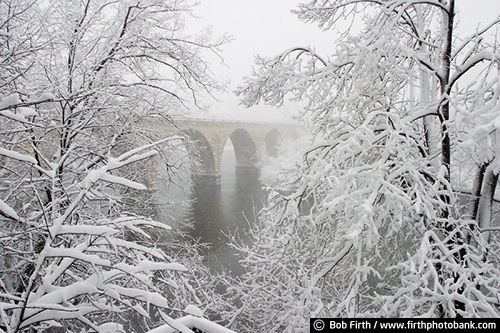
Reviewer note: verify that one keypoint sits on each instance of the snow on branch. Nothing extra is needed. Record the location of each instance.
(123, 160)
(17, 156)
(122, 259)
(148, 265)
(7, 211)
(300, 51)
(474, 38)
(431, 273)
(188, 323)
(470, 63)
(80, 258)
(22, 109)
(328, 13)
(133, 156)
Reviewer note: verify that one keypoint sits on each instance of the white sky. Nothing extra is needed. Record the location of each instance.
(266, 27)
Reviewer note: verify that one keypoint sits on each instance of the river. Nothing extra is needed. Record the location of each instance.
(217, 211)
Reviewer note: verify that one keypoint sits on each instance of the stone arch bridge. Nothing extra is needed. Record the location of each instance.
(251, 140)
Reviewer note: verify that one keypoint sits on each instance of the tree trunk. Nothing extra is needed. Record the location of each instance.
(476, 191)
(485, 204)
(431, 128)
(444, 118)
(444, 110)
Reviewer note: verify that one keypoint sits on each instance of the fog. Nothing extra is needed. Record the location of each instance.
(267, 28)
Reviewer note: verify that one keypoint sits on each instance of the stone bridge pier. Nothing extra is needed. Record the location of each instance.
(251, 140)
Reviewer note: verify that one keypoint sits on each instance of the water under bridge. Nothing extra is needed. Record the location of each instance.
(251, 139)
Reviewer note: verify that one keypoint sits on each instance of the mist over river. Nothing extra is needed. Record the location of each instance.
(217, 211)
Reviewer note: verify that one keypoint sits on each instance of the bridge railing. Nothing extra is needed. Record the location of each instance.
(230, 118)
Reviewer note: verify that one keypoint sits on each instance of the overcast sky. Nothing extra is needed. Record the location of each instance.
(266, 27)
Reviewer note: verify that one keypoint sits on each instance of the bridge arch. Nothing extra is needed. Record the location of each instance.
(245, 149)
(249, 138)
(272, 142)
(204, 162)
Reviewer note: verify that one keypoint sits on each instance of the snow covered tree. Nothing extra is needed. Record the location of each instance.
(385, 220)
(80, 82)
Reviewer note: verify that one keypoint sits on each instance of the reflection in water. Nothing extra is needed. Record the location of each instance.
(225, 209)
